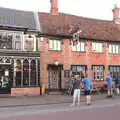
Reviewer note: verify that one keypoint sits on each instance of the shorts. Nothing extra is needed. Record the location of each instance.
(76, 93)
(87, 92)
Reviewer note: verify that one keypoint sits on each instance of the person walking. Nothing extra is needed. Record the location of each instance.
(76, 93)
(87, 89)
(117, 84)
(109, 81)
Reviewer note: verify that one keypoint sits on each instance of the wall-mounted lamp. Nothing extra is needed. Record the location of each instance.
(56, 62)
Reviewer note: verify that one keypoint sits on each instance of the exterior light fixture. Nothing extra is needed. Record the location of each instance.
(56, 62)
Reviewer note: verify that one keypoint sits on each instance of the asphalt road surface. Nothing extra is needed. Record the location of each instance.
(108, 109)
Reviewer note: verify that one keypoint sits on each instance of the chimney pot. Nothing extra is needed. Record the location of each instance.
(54, 7)
(116, 14)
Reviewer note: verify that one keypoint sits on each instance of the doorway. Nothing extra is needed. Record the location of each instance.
(5, 79)
(54, 77)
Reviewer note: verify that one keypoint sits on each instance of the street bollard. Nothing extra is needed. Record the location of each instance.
(43, 89)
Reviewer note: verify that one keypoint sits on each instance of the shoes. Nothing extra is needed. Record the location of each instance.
(89, 104)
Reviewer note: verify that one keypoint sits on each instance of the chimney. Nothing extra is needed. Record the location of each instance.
(54, 7)
(116, 14)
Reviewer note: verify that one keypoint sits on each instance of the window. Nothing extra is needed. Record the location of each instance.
(80, 47)
(79, 69)
(114, 48)
(55, 45)
(98, 71)
(28, 73)
(114, 70)
(17, 45)
(97, 47)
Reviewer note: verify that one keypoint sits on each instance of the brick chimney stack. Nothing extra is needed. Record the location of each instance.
(116, 14)
(54, 7)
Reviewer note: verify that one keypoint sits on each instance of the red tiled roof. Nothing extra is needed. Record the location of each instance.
(91, 28)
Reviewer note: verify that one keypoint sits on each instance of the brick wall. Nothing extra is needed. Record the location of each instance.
(25, 91)
(68, 58)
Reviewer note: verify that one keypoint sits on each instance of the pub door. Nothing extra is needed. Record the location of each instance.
(5, 79)
(54, 77)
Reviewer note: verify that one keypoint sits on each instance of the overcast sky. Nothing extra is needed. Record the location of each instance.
(100, 9)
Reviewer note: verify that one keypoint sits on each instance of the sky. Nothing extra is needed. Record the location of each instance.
(99, 9)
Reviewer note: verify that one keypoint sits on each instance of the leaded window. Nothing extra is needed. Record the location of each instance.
(78, 69)
(98, 71)
(11, 40)
(114, 70)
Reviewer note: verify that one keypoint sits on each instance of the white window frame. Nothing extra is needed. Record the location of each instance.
(98, 71)
(80, 47)
(55, 45)
(97, 47)
(114, 48)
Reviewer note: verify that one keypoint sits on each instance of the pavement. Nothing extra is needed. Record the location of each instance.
(9, 101)
(52, 107)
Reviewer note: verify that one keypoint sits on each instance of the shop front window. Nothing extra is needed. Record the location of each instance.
(114, 70)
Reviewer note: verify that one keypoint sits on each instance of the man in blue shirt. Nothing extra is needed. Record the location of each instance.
(87, 89)
(109, 81)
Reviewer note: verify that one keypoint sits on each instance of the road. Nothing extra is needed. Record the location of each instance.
(108, 109)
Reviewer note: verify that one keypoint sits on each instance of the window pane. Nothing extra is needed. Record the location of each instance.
(82, 46)
(110, 48)
(59, 45)
(113, 49)
(54, 44)
(78, 47)
(73, 48)
(97, 47)
(93, 47)
(117, 49)
(17, 45)
(50, 44)
(98, 73)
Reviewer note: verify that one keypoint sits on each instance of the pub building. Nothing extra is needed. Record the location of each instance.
(19, 56)
(38, 52)
(95, 48)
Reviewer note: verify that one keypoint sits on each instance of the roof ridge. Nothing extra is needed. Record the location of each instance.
(19, 10)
